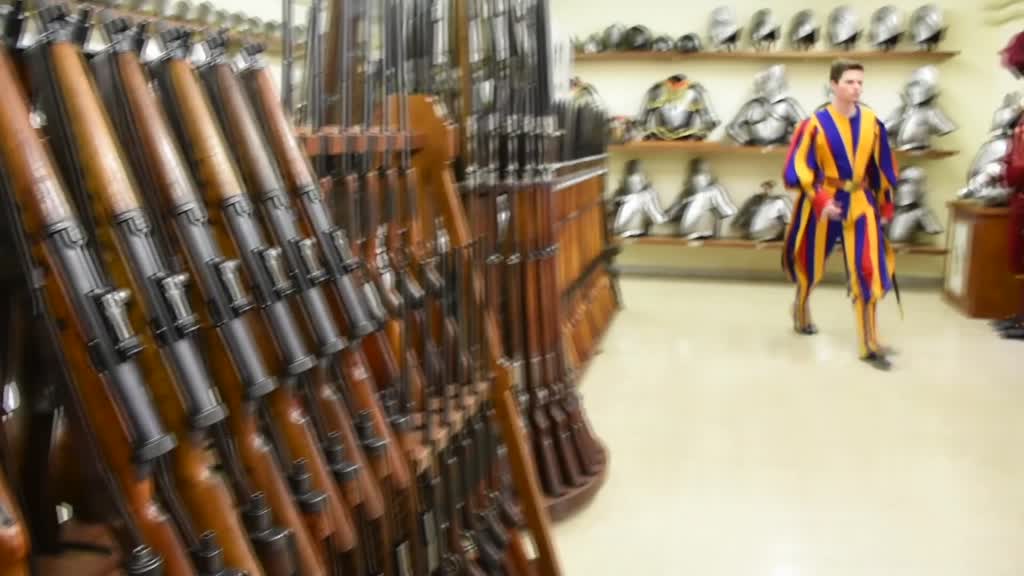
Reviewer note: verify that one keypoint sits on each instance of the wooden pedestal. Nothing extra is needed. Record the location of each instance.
(978, 280)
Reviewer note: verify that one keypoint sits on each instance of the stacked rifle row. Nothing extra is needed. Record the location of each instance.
(255, 354)
(496, 85)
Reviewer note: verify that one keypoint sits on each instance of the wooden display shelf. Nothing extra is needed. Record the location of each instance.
(772, 55)
(740, 243)
(720, 147)
(978, 278)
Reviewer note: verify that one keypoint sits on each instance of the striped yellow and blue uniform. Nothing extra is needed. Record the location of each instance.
(847, 159)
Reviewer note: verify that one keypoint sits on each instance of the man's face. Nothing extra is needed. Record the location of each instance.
(850, 86)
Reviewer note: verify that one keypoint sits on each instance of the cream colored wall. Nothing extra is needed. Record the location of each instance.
(973, 84)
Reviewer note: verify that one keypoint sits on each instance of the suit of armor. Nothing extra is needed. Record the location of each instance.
(986, 180)
(677, 109)
(912, 214)
(846, 160)
(770, 117)
(702, 203)
(912, 125)
(765, 215)
(637, 204)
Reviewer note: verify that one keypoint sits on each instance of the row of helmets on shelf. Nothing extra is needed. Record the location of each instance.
(205, 14)
(680, 108)
(703, 203)
(887, 28)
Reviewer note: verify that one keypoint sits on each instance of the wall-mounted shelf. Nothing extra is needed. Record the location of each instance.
(719, 147)
(777, 55)
(754, 245)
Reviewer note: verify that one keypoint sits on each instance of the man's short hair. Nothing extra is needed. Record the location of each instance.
(839, 67)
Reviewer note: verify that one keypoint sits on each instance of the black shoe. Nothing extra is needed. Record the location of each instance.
(807, 330)
(1014, 333)
(1004, 323)
(878, 361)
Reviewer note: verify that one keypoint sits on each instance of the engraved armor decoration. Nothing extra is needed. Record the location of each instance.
(677, 109)
(637, 204)
(804, 30)
(912, 125)
(771, 116)
(724, 30)
(844, 28)
(986, 176)
(764, 30)
(927, 26)
(702, 204)
(765, 215)
(886, 28)
(912, 215)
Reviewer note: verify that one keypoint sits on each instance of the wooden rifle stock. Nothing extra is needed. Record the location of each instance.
(235, 363)
(217, 172)
(14, 539)
(67, 269)
(181, 389)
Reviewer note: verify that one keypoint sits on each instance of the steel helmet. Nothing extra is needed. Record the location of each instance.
(764, 29)
(844, 27)
(613, 36)
(637, 38)
(927, 26)
(886, 27)
(689, 43)
(662, 43)
(723, 30)
(804, 29)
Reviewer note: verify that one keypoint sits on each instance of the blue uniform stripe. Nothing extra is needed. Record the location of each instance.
(810, 246)
(861, 240)
(790, 253)
(855, 130)
(835, 144)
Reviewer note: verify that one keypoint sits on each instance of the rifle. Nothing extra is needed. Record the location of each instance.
(262, 173)
(265, 264)
(235, 363)
(341, 267)
(174, 369)
(579, 451)
(84, 316)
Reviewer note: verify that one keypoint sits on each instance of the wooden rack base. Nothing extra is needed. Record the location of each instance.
(574, 500)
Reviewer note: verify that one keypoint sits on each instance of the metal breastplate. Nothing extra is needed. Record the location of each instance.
(918, 124)
(985, 180)
(639, 207)
(906, 194)
(682, 115)
(770, 219)
(910, 219)
(763, 123)
(701, 210)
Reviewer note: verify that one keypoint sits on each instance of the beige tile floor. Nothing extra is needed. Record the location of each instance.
(741, 449)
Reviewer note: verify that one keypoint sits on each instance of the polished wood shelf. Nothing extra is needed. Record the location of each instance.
(742, 244)
(720, 147)
(772, 55)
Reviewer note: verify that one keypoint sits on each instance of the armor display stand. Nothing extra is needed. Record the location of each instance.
(976, 282)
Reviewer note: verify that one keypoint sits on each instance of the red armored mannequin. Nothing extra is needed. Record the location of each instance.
(1013, 60)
